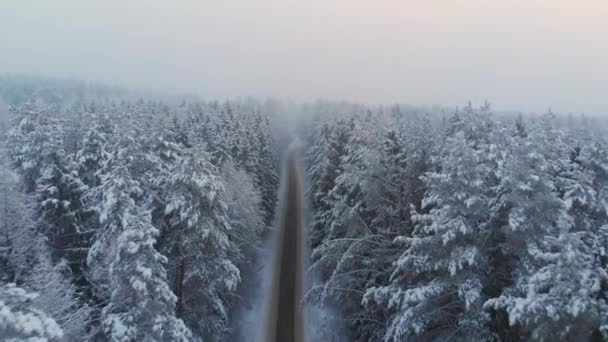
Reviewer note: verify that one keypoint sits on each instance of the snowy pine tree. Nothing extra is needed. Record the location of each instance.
(20, 321)
(57, 294)
(141, 306)
(199, 247)
(17, 225)
(436, 289)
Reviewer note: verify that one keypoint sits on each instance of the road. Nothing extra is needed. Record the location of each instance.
(284, 319)
(271, 310)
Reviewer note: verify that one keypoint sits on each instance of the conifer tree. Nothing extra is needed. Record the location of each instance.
(199, 247)
(20, 321)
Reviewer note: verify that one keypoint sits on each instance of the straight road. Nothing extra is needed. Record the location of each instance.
(285, 320)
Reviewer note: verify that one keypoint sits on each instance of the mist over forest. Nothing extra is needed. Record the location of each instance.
(281, 170)
(129, 216)
(521, 55)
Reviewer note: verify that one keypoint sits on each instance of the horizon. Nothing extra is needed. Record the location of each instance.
(160, 94)
(522, 56)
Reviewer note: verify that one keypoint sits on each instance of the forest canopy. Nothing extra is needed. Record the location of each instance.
(128, 216)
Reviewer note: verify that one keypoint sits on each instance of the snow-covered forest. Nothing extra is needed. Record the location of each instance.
(128, 220)
(460, 225)
(137, 217)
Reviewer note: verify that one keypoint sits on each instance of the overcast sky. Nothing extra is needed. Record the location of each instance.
(519, 54)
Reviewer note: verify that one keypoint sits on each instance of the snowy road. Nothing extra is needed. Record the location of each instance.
(280, 284)
(277, 279)
(284, 320)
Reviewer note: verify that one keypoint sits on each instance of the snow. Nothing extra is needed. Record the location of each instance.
(146, 272)
(413, 217)
(19, 323)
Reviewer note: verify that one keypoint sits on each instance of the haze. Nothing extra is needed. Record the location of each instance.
(519, 54)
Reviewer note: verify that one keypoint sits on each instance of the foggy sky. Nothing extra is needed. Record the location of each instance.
(519, 54)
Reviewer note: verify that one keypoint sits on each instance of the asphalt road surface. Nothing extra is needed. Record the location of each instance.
(285, 318)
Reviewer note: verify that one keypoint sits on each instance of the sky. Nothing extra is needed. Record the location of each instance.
(525, 55)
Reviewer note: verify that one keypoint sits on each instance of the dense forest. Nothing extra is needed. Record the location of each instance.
(130, 219)
(460, 225)
(137, 217)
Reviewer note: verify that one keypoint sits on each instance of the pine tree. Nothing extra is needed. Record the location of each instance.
(266, 170)
(57, 294)
(17, 225)
(20, 321)
(198, 245)
(141, 307)
(393, 212)
(243, 209)
(326, 168)
(93, 154)
(29, 141)
(559, 300)
(520, 128)
(60, 193)
(353, 253)
(436, 289)
(556, 284)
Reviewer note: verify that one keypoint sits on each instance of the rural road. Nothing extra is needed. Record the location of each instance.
(284, 319)
(270, 310)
